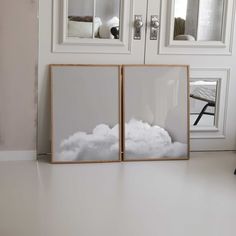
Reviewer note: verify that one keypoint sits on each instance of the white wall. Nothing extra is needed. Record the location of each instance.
(18, 58)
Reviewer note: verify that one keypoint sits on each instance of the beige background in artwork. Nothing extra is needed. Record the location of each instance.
(18, 59)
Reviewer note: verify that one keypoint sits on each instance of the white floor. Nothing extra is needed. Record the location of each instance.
(177, 198)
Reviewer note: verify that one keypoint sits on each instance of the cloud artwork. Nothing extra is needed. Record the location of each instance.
(142, 141)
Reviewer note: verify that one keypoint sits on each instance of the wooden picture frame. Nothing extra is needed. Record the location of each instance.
(120, 71)
(185, 100)
(116, 70)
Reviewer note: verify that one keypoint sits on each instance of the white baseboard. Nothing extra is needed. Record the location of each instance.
(18, 155)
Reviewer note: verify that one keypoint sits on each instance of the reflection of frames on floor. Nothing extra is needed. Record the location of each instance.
(210, 103)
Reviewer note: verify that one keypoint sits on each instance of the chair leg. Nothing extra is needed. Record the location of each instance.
(235, 172)
(201, 114)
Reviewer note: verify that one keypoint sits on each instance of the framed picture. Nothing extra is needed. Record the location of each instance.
(86, 113)
(156, 112)
(111, 113)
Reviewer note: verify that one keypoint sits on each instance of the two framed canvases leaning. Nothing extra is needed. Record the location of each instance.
(112, 113)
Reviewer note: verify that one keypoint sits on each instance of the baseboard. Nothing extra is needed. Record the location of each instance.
(18, 155)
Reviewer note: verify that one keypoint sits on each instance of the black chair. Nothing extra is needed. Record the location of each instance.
(210, 103)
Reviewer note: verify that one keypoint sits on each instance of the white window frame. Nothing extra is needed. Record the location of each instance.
(62, 43)
(169, 46)
(222, 75)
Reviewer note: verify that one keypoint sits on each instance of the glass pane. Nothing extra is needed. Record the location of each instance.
(80, 19)
(203, 95)
(94, 19)
(156, 113)
(108, 12)
(210, 20)
(199, 20)
(85, 113)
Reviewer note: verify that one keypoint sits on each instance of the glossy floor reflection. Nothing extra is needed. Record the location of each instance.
(196, 197)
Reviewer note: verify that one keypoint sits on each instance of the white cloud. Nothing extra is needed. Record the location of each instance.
(142, 141)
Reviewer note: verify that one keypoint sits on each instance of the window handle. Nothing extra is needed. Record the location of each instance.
(155, 26)
(138, 24)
